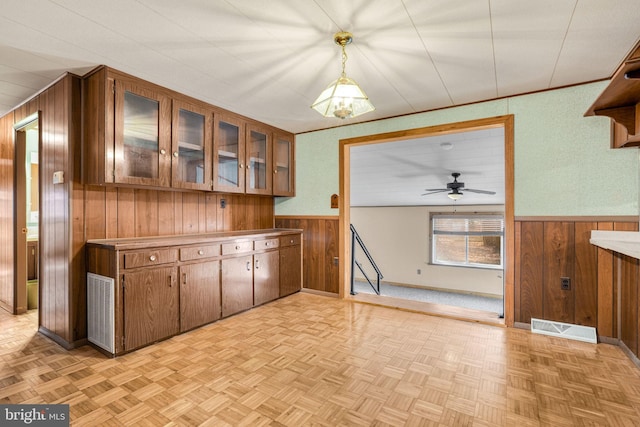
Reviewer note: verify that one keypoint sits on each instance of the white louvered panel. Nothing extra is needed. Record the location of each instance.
(100, 311)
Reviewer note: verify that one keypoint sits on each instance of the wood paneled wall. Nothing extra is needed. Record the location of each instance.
(547, 250)
(319, 250)
(126, 212)
(6, 213)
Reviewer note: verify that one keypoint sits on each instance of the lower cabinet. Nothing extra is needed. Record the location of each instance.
(290, 264)
(237, 284)
(169, 285)
(266, 277)
(199, 294)
(151, 307)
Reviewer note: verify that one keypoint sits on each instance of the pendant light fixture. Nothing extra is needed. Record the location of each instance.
(343, 98)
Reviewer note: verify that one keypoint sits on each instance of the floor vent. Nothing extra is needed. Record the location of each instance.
(100, 311)
(564, 330)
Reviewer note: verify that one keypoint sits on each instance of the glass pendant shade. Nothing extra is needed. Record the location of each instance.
(343, 98)
(455, 195)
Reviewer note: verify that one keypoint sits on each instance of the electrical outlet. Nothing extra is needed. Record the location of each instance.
(223, 203)
(565, 283)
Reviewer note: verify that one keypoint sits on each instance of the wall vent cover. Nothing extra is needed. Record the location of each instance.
(100, 311)
(564, 330)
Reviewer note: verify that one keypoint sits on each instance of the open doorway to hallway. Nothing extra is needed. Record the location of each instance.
(27, 202)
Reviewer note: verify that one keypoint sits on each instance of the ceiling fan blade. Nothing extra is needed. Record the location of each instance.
(436, 189)
(479, 191)
(434, 192)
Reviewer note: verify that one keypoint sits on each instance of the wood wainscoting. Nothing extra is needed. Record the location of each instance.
(604, 285)
(546, 249)
(319, 250)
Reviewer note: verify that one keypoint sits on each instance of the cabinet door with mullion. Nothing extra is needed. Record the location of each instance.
(199, 294)
(151, 306)
(191, 146)
(258, 178)
(228, 154)
(283, 165)
(142, 136)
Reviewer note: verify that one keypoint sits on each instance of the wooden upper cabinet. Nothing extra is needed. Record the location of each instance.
(228, 156)
(191, 146)
(258, 176)
(283, 165)
(142, 136)
(621, 102)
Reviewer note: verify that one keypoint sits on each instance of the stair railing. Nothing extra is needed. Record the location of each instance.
(355, 237)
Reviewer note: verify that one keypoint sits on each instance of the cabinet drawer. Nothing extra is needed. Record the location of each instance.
(149, 257)
(199, 252)
(236, 247)
(293, 239)
(261, 245)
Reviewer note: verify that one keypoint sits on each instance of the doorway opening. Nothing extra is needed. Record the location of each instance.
(26, 214)
(420, 237)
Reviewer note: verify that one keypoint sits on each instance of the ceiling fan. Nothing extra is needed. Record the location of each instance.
(454, 189)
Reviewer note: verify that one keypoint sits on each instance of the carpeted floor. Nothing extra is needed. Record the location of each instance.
(475, 302)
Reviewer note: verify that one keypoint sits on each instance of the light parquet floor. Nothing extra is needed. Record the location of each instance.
(312, 360)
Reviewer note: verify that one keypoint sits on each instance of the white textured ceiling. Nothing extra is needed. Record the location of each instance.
(269, 59)
(398, 173)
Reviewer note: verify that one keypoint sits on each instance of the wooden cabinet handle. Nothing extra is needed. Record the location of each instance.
(241, 166)
(257, 264)
(175, 154)
(237, 248)
(291, 241)
(152, 258)
(162, 151)
(266, 243)
(248, 265)
(171, 281)
(184, 278)
(200, 252)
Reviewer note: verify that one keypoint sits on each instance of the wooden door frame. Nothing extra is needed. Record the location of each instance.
(20, 212)
(506, 122)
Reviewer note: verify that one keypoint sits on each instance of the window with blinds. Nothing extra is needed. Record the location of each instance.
(469, 240)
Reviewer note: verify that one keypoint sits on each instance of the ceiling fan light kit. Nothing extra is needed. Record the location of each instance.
(455, 195)
(343, 98)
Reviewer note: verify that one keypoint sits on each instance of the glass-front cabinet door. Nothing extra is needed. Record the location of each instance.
(283, 165)
(258, 158)
(142, 136)
(190, 150)
(228, 156)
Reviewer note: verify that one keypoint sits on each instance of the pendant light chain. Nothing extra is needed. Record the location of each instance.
(344, 59)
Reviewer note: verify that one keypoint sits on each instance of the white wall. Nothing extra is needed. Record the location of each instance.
(398, 240)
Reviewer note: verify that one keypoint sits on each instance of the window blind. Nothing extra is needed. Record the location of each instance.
(468, 225)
